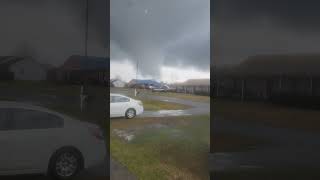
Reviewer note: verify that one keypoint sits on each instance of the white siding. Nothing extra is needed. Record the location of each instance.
(118, 83)
(28, 70)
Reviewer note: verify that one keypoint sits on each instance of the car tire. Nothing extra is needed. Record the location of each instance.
(130, 113)
(65, 164)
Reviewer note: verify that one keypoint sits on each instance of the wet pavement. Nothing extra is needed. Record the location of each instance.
(288, 148)
(197, 108)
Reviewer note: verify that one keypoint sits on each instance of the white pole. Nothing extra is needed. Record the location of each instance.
(242, 90)
(135, 90)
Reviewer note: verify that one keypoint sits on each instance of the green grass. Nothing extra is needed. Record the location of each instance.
(224, 142)
(268, 114)
(154, 105)
(197, 98)
(130, 92)
(162, 153)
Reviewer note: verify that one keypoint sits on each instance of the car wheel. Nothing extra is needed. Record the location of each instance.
(130, 113)
(65, 164)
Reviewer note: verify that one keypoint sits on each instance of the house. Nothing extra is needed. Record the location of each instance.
(140, 83)
(117, 83)
(77, 69)
(267, 76)
(22, 68)
(194, 86)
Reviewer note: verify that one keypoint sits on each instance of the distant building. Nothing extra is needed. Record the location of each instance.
(81, 68)
(268, 76)
(117, 83)
(22, 68)
(194, 86)
(139, 83)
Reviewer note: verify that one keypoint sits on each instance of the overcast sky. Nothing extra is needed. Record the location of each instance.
(52, 30)
(169, 38)
(250, 27)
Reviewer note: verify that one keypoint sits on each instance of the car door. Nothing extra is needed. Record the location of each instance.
(113, 109)
(34, 136)
(123, 104)
(120, 104)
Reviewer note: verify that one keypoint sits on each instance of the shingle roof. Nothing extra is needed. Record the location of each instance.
(145, 81)
(195, 82)
(6, 61)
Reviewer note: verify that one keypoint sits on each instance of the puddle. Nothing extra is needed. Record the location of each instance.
(124, 134)
(157, 126)
(164, 113)
(129, 134)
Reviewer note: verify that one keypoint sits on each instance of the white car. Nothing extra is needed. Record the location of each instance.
(36, 140)
(123, 106)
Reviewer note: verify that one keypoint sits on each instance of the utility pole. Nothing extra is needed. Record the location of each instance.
(135, 90)
(86, 28)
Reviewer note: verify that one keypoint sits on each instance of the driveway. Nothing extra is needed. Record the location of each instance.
(288, 148)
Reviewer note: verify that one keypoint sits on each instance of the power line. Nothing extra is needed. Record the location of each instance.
(86, 28)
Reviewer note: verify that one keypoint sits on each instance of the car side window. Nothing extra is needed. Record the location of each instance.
(119, 99)
(4, 122)
(31, 119)
(112, 99)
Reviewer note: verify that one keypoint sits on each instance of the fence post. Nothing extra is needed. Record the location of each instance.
(311, 86)
(242, 89)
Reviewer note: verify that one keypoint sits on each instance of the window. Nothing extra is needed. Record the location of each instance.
(4, 123)
(117, 99)
(31, 119)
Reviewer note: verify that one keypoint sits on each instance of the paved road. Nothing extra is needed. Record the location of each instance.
(287, 148)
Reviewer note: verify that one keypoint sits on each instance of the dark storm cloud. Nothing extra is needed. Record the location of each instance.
(156, 32)
(249, 27)
(52, 30)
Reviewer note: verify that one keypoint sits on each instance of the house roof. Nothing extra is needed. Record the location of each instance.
(114, 80)
(145, 81)
(6, 61)
(269, 65)
(77, 62)
(195, 82)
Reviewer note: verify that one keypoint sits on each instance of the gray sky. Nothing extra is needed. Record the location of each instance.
(52, 30)
(250, 27)
(160, 34)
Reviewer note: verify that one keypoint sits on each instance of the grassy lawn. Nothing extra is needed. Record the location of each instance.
(153, 105)
(130, 92)
(191, 97)
(176, 150)
(234, 143)
(268, 114)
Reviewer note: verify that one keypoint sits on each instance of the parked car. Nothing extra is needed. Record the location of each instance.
(123, 106)
(36, 140)
(164, 88)
(158, 90)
